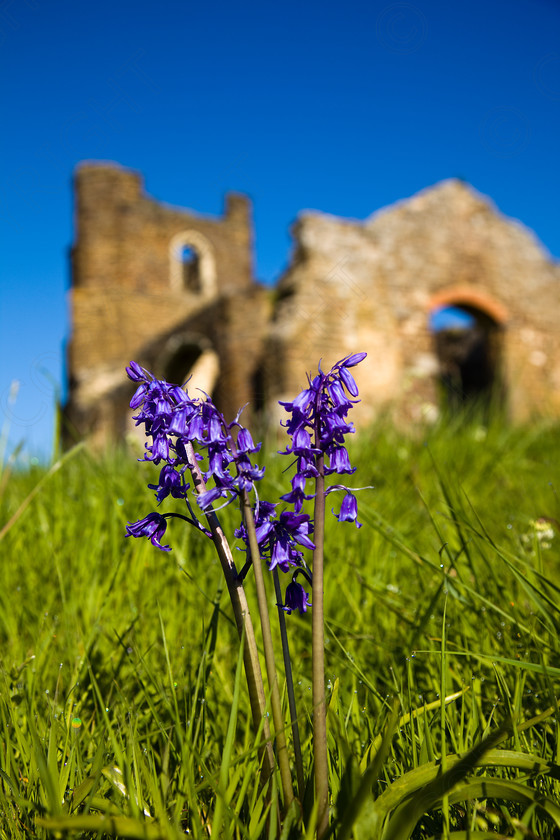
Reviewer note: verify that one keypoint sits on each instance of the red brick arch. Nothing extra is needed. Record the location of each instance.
(467, 296)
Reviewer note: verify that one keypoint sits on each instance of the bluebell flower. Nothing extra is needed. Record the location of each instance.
(339, 462)
(206, 500)
(296, 598)
(170, 482)
(349, 510)
(180, 419)
(137, 373)
(297, 495)
(278, 539)
(317, 428)
(245, 441)
(172, 419)
(159, 450)
(247, 473)
(262, 512)
(338, 396)
(153, 526)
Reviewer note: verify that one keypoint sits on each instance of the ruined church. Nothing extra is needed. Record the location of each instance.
(452, 302)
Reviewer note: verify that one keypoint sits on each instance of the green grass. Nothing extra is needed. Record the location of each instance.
(120, 710)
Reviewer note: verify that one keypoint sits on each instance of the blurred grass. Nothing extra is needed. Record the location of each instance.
(118, 696)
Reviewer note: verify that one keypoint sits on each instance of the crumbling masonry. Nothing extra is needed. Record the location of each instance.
(175, 291)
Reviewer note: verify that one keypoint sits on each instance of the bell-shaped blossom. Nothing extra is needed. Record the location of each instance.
(179, 421)
(247, 473)
(296, 598)
(349, 510)
(262, 512)
(170, 483)
(206, 499)
(318, 427)
(349, 381)
(339, 462)
(245, 441)
(338, 396)
(278, 539)
(297, 495)
(352, 361)
(153, 526)
(136, 373)
(159, 450)
(139, 396)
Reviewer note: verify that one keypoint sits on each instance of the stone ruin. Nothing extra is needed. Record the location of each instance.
(175, 291)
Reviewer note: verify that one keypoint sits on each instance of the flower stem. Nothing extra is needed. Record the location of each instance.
(318, 657)
(242, 619)
(289, 686)
(277, 716)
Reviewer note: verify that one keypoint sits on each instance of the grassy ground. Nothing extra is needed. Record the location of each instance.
(119, 705)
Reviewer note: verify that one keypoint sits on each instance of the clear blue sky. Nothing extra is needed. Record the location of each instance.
(340, 107)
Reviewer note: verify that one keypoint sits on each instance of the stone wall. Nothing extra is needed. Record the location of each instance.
(350, 286)
(371, 286)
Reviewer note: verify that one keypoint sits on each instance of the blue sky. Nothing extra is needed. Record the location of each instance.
(340, 107)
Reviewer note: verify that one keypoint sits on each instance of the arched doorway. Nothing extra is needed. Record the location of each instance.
(468, 334)
(192, 358)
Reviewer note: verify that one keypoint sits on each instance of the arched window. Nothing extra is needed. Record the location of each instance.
(191, 270)
(468, 338)
(192, 267)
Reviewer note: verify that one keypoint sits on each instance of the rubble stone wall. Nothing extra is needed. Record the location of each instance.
(350, 286)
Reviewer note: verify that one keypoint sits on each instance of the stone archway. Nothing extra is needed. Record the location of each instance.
(468, 331)
(190, 357)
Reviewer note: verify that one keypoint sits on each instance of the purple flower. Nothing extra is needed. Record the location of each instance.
(338, 396)
(317, 428)
(351, 361)
(262, 512)
(207, 499)
(301, 402)
(247, 473)
(169, 483)
(136, 373)
(348, 381)
(301, 444)
(139, 396)
(179, 420)
(296, 598)
(153, 526)
(219, 459)
(245, 441)
(349, 510)
(280, 537)
(159, 450)
(297, 495)
(339, 462)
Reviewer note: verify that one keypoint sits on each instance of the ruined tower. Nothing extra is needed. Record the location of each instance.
(172, 289)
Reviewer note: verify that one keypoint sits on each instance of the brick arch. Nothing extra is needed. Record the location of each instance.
(470, 359)
(473, 298)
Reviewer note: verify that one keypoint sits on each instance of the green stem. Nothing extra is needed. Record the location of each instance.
(318, 660)
(289, 686)
(277, 716)
(242, 619)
